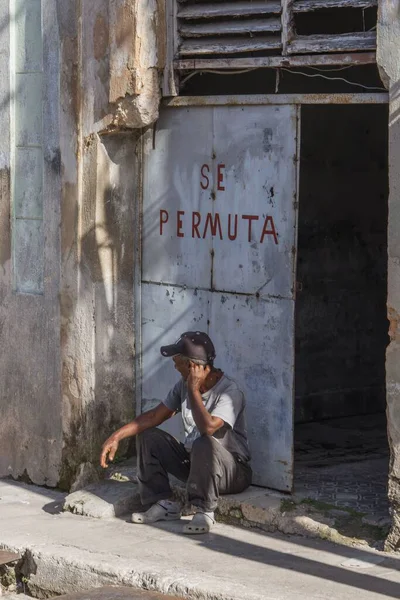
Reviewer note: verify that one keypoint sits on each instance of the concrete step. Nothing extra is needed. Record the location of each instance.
(257, 507)
(63, 553)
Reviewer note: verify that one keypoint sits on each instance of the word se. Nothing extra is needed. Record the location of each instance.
(205, 177)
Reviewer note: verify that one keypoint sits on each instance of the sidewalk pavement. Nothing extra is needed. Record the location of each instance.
(65, 553)
(306, 512)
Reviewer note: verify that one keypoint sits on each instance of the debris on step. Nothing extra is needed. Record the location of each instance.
(8, 557)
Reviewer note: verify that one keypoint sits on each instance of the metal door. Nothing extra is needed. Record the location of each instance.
(218, 241)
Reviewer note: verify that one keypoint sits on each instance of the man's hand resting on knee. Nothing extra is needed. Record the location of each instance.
(151, 418)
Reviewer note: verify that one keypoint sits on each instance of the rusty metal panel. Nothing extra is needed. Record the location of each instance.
(166, 310)
(174, 153)
(223, 260)
(255, 157)
(254, 338)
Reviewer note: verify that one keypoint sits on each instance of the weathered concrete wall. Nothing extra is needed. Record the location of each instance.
(97, 304)
(30, 401)
(341, 324)
(67, 377)
(122, 54)
(388, 56)
(119, 47)
(116, 90)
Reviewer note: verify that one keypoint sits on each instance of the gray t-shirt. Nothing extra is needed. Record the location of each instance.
(226, 401)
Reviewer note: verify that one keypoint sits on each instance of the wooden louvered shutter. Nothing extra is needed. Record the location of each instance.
(267, 33)
(220, 28)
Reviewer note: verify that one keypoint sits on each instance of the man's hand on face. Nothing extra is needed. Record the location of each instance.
(109, 449)
(197, 376)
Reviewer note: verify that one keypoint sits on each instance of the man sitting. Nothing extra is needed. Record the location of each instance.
(215, 456)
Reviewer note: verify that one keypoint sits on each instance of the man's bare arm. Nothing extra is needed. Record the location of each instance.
(206, 423)
(147, 420)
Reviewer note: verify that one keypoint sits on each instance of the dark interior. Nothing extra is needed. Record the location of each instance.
(333, 20)
(341, 322)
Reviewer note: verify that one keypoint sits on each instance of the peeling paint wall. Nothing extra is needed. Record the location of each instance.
(67, 378)
(115, 93)
(388, 56)
(97, 304)
(123, 55)
(30, 402)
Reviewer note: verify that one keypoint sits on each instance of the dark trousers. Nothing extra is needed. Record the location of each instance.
(209, 469)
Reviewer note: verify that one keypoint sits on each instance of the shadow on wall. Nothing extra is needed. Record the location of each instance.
(103, 77)
(98, 310)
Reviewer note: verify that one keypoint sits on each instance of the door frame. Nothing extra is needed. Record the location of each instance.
(228, 100)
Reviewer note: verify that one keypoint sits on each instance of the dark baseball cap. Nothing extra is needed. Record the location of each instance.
(192, 344)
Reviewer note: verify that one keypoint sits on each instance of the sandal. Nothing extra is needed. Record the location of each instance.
(202, 522)
(157, 512)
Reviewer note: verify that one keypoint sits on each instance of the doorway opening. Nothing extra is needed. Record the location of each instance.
(341, 448)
